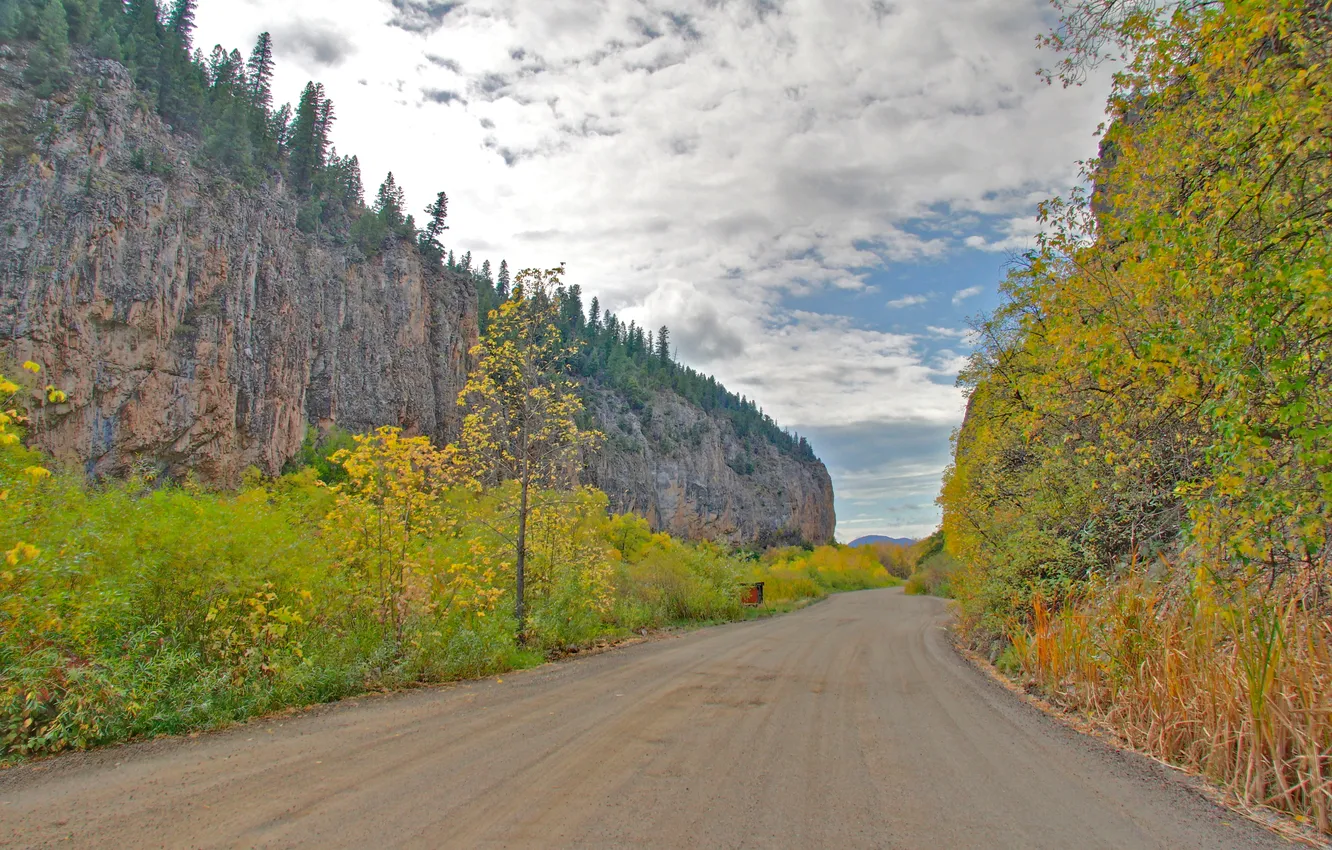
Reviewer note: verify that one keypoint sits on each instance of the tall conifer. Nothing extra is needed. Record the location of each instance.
(437, 214)
(181, 22)
(48, 66)
(260, 71)
(389, 202)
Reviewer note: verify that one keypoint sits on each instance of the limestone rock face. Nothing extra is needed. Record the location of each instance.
(194, 326)
(692, 475)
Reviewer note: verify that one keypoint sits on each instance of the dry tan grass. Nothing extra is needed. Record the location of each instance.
(1238, 689)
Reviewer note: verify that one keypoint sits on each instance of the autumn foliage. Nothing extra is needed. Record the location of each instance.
(522, 408)
(1148, 427)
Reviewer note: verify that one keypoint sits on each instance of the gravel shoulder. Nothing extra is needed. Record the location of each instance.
(852, 723)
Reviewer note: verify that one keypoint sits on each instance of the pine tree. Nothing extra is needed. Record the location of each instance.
(664, 344)
(308, 137)
(324, 123)
(260, 70)
(438, 213)
(181, 83)
(594, 314)
(349, 180)
(485, 272)
(227, 139)
(220, 73)
(105, 38)
(181, 22)
(48, 66)
(83, 17)
(453, 264)
(467, 262)
(9, 20)
(389, 202)
(502, 286)
(143, 42)
(237, 62)
(279, 125)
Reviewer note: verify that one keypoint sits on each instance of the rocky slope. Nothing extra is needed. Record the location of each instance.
(197, 329)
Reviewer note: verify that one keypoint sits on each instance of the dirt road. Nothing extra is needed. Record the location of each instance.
(848, 724)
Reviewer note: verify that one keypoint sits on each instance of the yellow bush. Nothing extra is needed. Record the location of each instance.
(793, 573)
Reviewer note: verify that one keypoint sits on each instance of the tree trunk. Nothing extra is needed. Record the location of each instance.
(522, 560)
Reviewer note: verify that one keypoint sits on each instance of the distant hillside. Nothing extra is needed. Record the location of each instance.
(871, 539)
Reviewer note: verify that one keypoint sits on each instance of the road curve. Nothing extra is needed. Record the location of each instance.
(851, 723)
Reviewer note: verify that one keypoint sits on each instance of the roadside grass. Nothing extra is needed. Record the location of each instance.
(1233, 684)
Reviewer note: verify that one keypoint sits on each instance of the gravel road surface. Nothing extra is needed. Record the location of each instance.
(851, 723)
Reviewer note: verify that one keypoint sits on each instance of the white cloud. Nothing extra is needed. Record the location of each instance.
(874, 376)
(954, 333)
(970, 292)
(908, 301)
(701, 163)
(1019, 235)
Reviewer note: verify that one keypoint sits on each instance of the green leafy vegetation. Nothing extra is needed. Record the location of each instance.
(130, 610)
(1140, 497)
(792, 574)
(930, 567)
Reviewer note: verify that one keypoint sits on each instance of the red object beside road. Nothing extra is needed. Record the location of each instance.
(752, 594)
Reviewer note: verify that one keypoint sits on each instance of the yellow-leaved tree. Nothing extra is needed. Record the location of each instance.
(388, 507)
(522, 407)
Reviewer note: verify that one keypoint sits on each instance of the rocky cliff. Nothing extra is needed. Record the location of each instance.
(691, 474)
(192, 324)
(197, 329)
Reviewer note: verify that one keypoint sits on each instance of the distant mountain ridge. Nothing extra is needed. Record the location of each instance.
(871, 539)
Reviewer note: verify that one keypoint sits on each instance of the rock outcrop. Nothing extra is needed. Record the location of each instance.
(197, 329)
(194, 326)
(692, 475)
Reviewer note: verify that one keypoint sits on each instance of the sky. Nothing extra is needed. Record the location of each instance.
(816, 196)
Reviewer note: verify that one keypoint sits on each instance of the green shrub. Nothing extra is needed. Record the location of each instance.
(933, 576)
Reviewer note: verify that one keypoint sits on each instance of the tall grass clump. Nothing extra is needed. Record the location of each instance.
(1233, 684)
